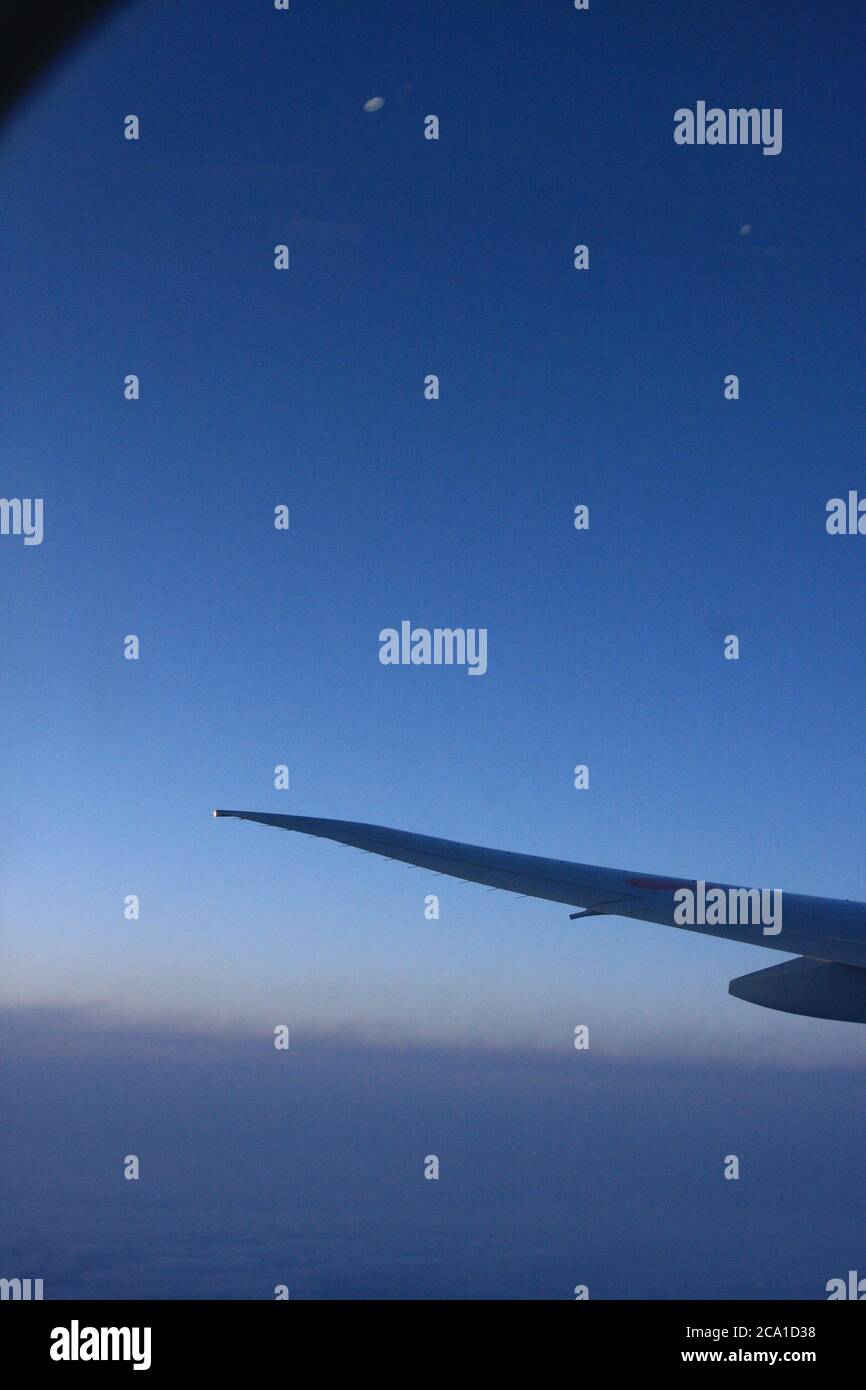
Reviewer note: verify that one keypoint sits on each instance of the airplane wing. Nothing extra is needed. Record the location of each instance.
(829, 933)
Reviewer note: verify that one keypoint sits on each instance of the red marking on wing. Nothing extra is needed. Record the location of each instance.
(662, 885)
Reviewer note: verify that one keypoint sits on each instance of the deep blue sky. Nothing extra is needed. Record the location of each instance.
(306, 388)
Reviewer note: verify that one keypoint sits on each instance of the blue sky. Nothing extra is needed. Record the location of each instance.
(306, 388)
(260, 647)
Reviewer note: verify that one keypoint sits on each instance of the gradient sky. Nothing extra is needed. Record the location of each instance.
(306, 388)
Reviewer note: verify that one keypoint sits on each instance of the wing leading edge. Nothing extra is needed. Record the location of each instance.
(825, 930)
